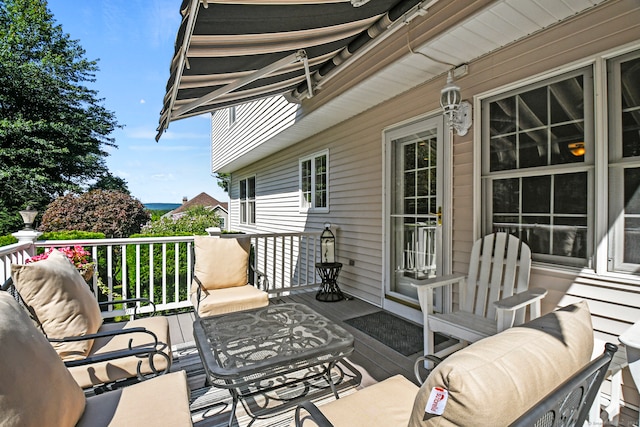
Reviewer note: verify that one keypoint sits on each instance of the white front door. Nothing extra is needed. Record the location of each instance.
(414, 209)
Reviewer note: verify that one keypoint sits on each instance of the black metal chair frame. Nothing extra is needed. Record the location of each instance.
(568, 405)
(148, 351)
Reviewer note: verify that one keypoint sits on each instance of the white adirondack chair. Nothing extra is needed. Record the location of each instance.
(493, 296)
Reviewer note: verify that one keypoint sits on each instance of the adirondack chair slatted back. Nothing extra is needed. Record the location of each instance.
(499, 267)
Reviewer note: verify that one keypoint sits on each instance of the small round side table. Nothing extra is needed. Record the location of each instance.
(329, 290)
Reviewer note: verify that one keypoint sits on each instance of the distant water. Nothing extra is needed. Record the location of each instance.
(162, 206)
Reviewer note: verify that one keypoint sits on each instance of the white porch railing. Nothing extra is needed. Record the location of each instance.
(161, 268)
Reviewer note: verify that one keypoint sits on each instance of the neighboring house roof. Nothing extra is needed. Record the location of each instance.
(202, 199)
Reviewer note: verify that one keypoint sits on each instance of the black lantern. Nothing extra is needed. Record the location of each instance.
(327, 245)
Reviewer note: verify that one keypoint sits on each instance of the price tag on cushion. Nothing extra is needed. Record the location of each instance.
(437, 401)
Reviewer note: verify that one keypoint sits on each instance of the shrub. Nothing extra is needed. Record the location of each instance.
(113, 213)
(7, 240)
(195, 220)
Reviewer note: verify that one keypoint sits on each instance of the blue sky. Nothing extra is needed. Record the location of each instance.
(133, 41)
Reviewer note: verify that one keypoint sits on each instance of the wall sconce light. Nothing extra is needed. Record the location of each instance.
(28, 216)
(327, 245)
(457, 112)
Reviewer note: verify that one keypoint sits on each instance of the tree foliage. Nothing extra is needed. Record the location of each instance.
(53, 129)
(113, 213)
(223, 180)
(195, 220)
(110, 182)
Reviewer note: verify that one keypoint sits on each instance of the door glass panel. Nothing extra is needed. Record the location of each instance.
(414, 221)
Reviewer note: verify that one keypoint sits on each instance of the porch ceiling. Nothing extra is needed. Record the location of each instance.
(216, 35)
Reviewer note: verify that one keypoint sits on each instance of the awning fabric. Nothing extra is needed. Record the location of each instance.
(230, 52)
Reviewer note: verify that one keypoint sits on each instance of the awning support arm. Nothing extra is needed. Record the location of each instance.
(307, 72)
(289, 59)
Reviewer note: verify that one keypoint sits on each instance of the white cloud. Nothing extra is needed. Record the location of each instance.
(142, 101)
(163, 177)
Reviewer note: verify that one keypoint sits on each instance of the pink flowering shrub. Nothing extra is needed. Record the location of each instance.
(78, 256)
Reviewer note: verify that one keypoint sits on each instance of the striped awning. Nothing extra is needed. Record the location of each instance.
(229, 52)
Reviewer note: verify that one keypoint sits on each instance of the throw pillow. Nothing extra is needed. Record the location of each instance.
(220, 262)
(61, 300)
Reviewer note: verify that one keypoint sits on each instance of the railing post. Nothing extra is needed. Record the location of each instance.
(28, 236)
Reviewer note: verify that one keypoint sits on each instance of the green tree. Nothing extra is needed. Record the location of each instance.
(195, 220)
(53, 129)
(110, 182)
(223, 180)
(113, 213)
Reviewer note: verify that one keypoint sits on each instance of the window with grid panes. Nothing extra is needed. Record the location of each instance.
(248, 201)
(314, 183)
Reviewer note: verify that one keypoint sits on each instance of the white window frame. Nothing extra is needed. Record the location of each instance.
(307, 206)
(247, 203)
(604, 200)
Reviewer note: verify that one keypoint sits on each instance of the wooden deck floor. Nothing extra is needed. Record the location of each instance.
(373, 360)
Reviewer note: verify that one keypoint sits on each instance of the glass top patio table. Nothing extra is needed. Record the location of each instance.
(246, 347)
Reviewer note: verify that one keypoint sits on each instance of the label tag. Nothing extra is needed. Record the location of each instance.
(437, 401)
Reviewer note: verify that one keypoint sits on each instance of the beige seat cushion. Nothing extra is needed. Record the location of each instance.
(61, 300)
(35, 387)
(221, 263)
(113, 370)
(387, 403)
(161, 401)
(495, 380)
(221, 301)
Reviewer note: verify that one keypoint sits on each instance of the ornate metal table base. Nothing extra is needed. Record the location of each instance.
(329, 290)
(273, 353)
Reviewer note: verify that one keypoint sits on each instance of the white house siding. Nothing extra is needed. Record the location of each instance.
(356, 172)
(255, 122)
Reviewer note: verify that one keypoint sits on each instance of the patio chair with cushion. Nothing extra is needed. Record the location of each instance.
(37, 390)
(221, 282)
(492, 297)
(97, 354)
(495, 382)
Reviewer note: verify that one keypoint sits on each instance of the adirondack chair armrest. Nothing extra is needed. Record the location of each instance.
(521, 299)
(506, 307)
(437, 282)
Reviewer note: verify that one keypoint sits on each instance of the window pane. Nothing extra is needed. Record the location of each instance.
(567, 143)
(532, 109)
(570, 237)
(503, 153)
(570, 193)
(409, 156)
(409, 184)
(252, 212)
(251, 190)
(506, 195)
(243, 189)
(536, 194)
(502, 115)
(630, 87)
(321, 182)
(243, 212)
(632, 240)
(533, 149)
(632, 215)
(566, 100)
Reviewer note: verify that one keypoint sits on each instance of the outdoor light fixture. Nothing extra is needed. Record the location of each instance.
(457, 112)
(28, 216)
(327, 245)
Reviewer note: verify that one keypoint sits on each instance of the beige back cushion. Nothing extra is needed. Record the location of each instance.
(61, 300)
(497, 379)
(35, 387)
(220, 262)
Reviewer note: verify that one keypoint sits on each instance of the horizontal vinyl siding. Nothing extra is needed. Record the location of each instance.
(255, 123)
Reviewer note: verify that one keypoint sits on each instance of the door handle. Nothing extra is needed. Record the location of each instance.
(438, 215)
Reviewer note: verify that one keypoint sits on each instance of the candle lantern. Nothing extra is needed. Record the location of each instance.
(327, 245)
